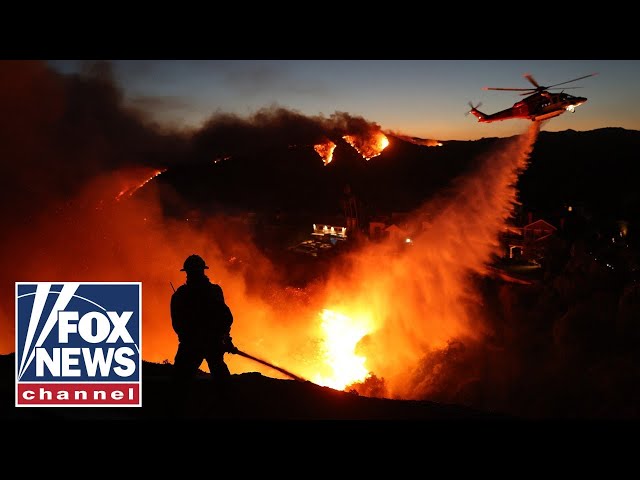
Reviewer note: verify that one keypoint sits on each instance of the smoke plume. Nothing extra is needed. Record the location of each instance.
(422, 297)
(228, 134)
(425, 142)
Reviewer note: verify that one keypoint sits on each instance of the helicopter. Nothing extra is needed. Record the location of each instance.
(540, 104)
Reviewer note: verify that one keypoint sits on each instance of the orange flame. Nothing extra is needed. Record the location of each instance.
(368, 146)
(341, 335)
(130, 189)
(325, 150)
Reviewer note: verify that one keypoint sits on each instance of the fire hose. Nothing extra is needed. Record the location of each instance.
(279, 369)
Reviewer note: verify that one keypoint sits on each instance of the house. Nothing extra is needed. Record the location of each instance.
(396, 233)
(527, 242)
(538, 230)
(329, 231)
(377, 225)
(399, 225)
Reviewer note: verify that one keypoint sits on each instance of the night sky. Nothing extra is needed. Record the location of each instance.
(424, 98)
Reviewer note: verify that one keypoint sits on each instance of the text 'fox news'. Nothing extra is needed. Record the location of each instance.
(78, 344)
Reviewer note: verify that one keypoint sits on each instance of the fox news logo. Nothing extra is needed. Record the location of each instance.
(78, 344)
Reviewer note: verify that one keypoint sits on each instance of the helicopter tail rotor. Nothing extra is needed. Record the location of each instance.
(476, 113)
(472, 108)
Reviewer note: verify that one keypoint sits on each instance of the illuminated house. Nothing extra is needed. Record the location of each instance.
(323, 240)
(528, 241)
(321, 230)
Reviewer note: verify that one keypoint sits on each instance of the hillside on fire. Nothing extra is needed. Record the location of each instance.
(293, 180)
(400, 277)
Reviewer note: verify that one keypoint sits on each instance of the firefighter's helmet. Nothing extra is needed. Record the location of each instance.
(193, 263)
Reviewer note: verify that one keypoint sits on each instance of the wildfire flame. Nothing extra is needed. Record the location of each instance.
(341, 335)
(325, 150)
(368, 146)
(131, 189)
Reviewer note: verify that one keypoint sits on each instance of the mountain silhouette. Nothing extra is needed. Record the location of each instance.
(591, 168)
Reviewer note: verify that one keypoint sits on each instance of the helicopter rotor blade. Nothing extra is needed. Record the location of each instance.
(569, 81)
(510, 89)
(539, 87)
(529, 77)
(547, 89)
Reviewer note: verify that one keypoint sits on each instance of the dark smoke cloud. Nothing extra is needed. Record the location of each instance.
(229, 134)
(425, 142)
(65, 143)
(341, 123)
(59, 131)
(56, 132)
(68, 146)
(160, 104)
